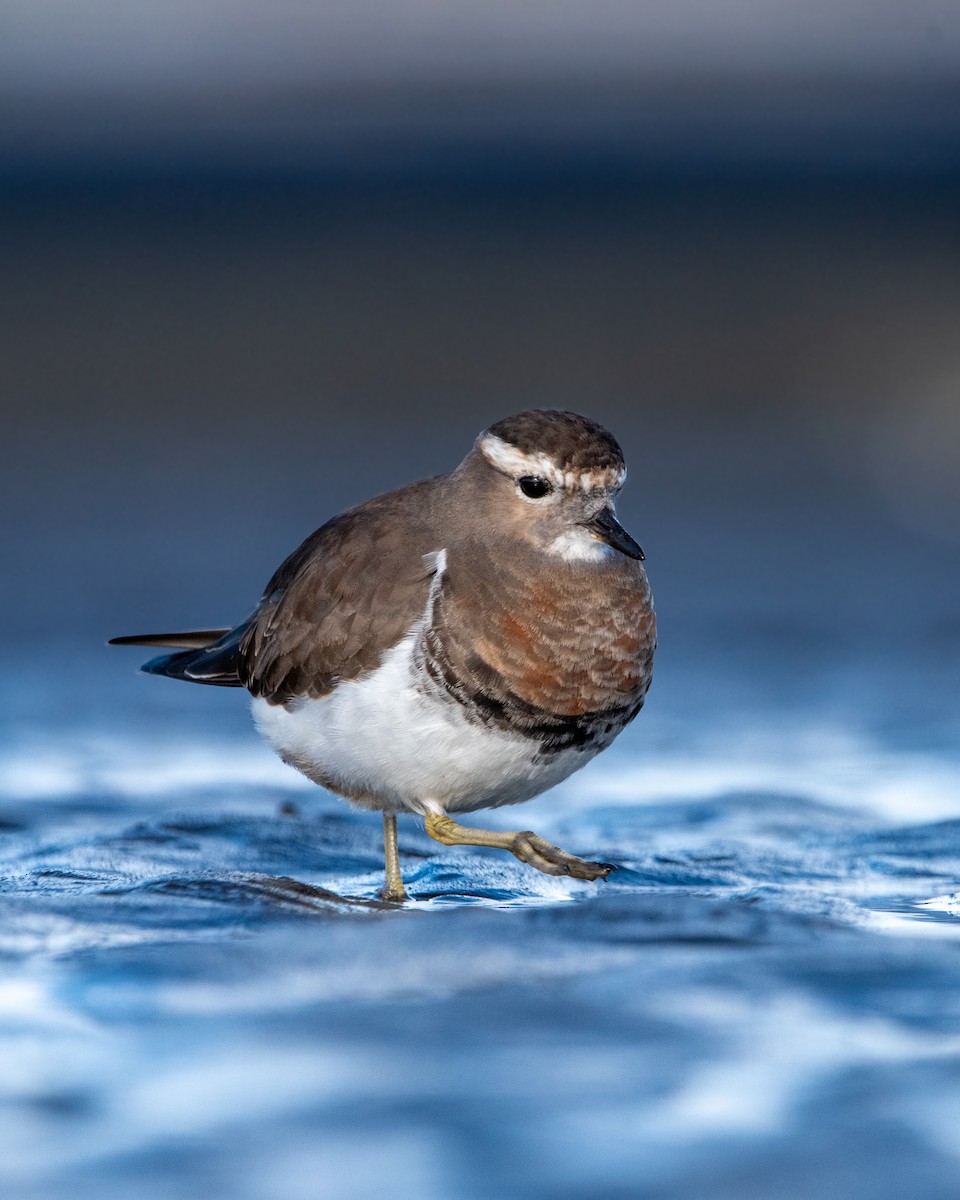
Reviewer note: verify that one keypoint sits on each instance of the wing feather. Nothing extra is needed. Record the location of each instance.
(329, 613)
(342, 599)
(197, 639)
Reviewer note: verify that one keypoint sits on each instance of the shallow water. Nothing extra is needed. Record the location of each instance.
(201, 995)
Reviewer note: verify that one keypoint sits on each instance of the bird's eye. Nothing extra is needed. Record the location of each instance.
(534, 487)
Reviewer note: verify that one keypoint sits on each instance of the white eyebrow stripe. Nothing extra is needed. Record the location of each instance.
(516, 463)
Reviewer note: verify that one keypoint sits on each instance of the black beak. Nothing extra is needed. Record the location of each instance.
(608, 529)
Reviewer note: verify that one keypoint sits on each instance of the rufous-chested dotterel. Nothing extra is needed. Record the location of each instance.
(463, 643)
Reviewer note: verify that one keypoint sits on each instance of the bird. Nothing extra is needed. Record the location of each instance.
(462, 643)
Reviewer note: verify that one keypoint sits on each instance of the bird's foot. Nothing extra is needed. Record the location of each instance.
(528, 847)
(393, 893)
(551, 860)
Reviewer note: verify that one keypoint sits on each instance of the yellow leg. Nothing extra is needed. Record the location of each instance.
(392, 889)
(526, 846)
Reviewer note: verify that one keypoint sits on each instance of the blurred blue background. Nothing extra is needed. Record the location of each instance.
(258, 263)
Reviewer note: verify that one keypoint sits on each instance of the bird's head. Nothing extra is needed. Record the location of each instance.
(550, 478)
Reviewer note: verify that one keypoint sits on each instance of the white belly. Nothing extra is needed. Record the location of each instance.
(387, 743)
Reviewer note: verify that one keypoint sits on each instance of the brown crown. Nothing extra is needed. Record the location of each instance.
(573, 442)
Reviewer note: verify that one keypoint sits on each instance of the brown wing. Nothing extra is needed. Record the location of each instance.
(345, 597)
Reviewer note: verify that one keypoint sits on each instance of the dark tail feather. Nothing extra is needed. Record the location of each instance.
(211, 657)
(199, 639)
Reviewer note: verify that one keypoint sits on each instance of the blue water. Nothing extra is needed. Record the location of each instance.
(201, 996)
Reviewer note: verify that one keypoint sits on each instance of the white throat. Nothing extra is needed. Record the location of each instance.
(579, 545)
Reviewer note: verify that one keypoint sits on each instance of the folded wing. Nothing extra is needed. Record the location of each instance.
(342, 599)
